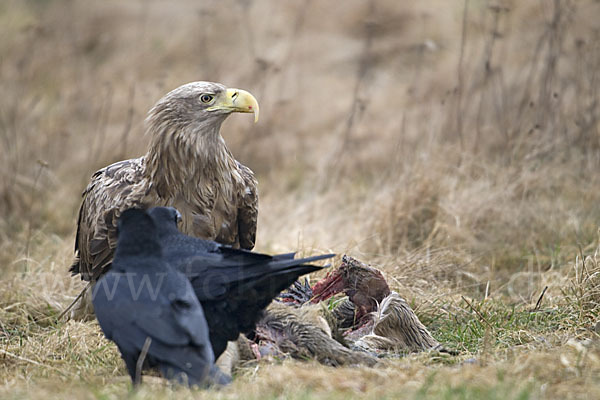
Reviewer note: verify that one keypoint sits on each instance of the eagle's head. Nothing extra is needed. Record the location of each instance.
(200, 105)
(185, 142)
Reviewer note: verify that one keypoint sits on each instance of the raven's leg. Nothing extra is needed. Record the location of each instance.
(130, 363)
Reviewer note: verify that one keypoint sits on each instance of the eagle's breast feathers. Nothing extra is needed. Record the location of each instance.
(222, 209)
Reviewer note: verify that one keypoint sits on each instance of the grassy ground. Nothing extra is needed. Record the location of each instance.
(455, 144)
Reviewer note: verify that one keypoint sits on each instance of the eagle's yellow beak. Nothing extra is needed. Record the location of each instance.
(236, 100)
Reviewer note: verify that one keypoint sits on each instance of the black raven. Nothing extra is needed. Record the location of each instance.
(145, 306)
(234, 286)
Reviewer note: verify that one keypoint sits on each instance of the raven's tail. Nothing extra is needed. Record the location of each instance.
(284, 262)
(254, 295)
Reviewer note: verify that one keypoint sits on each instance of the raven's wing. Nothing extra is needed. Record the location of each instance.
(160, 308)
(215, 277)
(212, 267)
(171, 317)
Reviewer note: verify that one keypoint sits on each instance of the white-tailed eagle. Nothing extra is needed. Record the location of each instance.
(187, 166)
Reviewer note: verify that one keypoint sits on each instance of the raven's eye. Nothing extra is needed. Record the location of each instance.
(180, 304)
(206, 98)
(178, 217)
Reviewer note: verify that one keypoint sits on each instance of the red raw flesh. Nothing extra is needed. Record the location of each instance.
(332, 284)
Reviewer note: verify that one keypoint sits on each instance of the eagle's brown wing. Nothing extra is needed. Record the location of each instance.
(112, 190)
(248, 209)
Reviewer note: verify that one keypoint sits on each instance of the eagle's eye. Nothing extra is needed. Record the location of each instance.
(206, 98)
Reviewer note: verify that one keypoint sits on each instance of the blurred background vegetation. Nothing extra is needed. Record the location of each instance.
(386, 126)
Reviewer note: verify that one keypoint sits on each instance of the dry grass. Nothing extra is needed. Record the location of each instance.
(454, 143)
